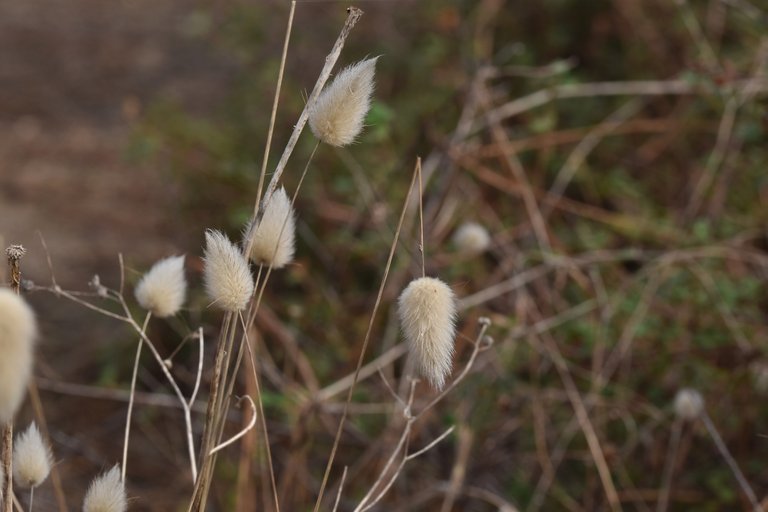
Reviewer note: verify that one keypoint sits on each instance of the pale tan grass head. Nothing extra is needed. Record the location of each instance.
(106, 493)
(18, 330)
(163, 289)
(273, 238)
(339, 113)
(427, 310)
(227, 278)
(31, 458)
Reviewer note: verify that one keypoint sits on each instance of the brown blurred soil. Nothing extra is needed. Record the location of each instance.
(74, 77)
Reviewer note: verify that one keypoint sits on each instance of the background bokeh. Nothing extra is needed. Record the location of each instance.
(628, 261)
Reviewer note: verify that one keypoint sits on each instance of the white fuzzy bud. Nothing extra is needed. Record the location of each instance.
(689, 404)
(338, 114)
(427, 309)
(472, 238)
(273, 237)
(163, 289)
(18, 330)
(228, 279)
(31, 458)
(106, 493)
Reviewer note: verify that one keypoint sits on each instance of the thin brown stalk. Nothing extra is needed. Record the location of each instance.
(273, 115)
(255, 376)
(14, 253)
(330, 62)
(582, 415)
(726, 454)
(7, 446)
(669, 466)
(366, 341)
(594, 89)
(422, 247)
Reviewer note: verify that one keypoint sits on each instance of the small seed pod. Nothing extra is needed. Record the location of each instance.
(163, 289)
(689, 404)
(106, 493)
(471, 238)
(273, 237)
(427, 309)
(18, 330)
(227, 277)
(339, 112)
(31, 458)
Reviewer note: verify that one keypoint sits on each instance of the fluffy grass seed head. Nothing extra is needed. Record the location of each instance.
(227, 278)
(163, 289)
(18, 330)
(338, 114)
(427, 309)
(689, 404)
(272, 243)
(472, 238)
(106, 493)
(31, 458)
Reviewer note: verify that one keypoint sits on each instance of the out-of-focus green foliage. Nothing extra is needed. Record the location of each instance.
(633, 190)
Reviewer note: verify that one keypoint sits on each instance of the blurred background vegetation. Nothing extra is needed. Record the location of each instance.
(629, 238)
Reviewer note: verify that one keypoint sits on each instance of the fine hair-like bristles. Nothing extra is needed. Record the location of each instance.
(106, 493)
(273, 237)
(31, 458)
(228, 279)
(18, 330)
(339, 112)
(163, 289)
(427, 309)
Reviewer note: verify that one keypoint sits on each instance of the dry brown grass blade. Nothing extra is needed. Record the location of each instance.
(366, 340)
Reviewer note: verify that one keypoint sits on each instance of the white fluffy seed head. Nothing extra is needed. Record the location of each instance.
(274, 236)
(106, 493)
(472, 238)
(427, 309)
(689, 404)
(227, 278)
(163, 289)
(18, 330)
(338, 114)
(31, 458)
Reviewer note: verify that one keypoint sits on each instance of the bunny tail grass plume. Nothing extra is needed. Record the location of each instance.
(427, 309)
(31, 458)
(163, 289)
(227, 277)
(689, 404)
(338, 114)
(471, 238)
(17, 334)
(272, 243)
(106, 493)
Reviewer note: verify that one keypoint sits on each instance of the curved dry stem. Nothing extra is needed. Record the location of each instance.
(244, 431)
(132, 396)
